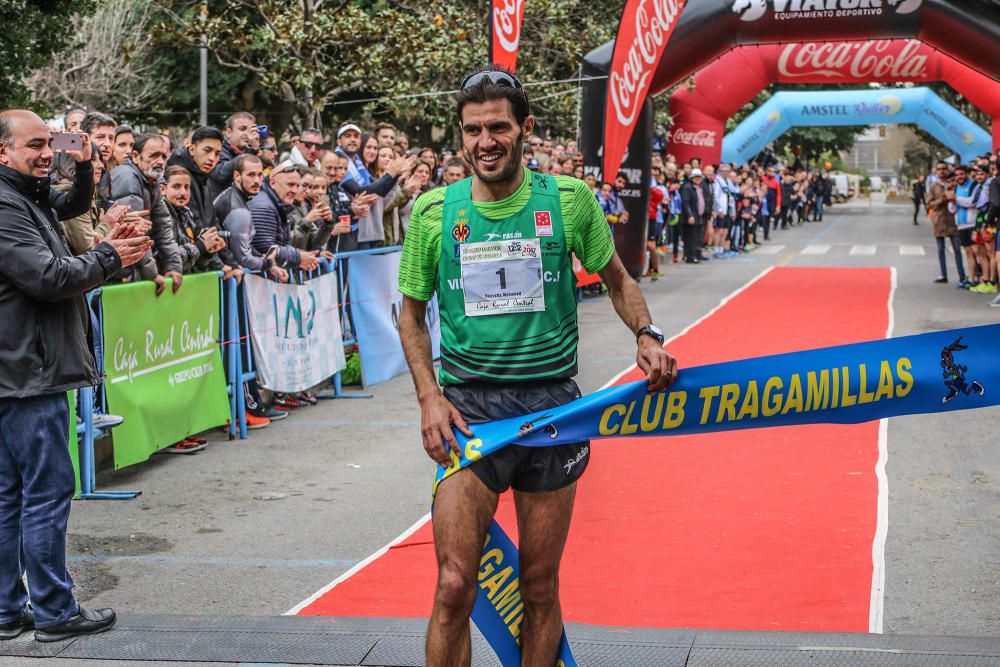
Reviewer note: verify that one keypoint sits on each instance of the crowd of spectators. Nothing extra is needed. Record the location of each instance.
(231, 200)
(720, 211)
(963, 203)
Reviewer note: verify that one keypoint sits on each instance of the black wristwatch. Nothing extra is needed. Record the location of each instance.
(652, 331)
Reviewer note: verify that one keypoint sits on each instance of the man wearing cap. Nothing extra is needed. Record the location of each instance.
(370, 228)
(696, 207)
(509, 340)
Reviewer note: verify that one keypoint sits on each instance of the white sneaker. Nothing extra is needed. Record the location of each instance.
(106, 421)
(995, 303)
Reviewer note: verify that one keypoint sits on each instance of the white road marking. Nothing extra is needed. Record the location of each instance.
(911, 250)
(876, 608)
(863, 250)
(815, 250)
(770, 249)
(425, 518)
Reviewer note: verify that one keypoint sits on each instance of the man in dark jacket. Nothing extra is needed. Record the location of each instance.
(199, 158)
(242, 138)
(269, 212)
(234, 215)
(44, 352)
(135, 184)
(696, 207)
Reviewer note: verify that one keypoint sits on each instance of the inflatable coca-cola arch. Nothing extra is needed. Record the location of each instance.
(722, 87)
(967, 31)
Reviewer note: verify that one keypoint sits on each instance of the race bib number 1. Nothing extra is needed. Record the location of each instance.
(502, 277)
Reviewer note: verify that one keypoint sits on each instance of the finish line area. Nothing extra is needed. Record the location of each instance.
(741, 548)
(665, 527)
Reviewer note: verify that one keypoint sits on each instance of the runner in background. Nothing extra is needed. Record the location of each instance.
(495, 248)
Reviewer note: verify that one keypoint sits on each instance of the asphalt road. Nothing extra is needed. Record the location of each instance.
(254, 527)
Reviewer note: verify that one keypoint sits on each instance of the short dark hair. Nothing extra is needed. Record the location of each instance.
(240, 161)
(231, 121)
(175, 170)
(96, 119)
(455, 162)
(384, 126)
(485, 90)
(143, 139)
(123, 129)
(205, 132)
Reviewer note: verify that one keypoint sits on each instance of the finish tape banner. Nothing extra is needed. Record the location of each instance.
(164, 370)
(848, 384)
(296, 331)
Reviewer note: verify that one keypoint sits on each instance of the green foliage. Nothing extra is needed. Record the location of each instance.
(314, 62)
(36, 29)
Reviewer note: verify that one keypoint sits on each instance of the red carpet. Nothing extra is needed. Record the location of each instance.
(767, 529)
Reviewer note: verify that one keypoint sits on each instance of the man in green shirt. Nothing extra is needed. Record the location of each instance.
(496, 248)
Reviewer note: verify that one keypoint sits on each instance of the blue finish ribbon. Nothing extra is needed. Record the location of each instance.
(942, 371)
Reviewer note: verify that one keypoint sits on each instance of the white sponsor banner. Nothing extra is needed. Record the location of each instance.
(295, 330)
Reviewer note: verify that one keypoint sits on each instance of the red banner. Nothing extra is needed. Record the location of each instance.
(505, 32)
(645, 27)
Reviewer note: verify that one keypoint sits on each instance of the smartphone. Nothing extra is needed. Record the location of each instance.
(323, 199)
(262, 131)
(67, 141)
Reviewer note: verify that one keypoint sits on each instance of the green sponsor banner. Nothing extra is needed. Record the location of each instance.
(163, 368)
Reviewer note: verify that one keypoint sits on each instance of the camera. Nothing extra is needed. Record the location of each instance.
(262, 130)
(224, 234)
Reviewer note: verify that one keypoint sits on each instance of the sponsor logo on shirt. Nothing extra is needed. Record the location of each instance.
(543, 223)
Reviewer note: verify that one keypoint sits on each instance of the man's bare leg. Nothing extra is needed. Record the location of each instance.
(542, 525)
(463, 509)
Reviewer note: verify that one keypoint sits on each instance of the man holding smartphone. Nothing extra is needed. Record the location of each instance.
(44, 353)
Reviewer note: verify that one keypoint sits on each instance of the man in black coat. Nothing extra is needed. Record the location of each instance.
(696, 207)
(44, 352)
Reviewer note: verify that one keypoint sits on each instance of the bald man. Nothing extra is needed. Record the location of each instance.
(44, 352)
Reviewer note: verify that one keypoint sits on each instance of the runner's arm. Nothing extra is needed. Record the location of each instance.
(659, 366)
(437, 414)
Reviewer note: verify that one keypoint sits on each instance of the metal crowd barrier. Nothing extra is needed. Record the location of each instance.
(240, 323)
(237, 355)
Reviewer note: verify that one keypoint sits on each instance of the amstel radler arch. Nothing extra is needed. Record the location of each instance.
(964, 32)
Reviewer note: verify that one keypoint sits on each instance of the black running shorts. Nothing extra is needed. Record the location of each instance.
(529, 469)
(965, 236)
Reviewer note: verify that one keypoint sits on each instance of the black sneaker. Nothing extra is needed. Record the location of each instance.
(14, 628)
(85, 622)
(940, 279)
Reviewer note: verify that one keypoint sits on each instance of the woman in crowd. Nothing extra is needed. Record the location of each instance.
(122, 146)
(369, 152)
(418, 183)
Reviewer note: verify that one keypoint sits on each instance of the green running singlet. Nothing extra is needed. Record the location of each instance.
(504, 276)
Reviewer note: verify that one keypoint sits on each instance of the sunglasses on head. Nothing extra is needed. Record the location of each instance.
(496, 78)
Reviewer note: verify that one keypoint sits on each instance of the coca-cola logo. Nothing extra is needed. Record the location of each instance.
(751, 10)
(507, 24)
(653, 22)
(700, 138)
(880, 59)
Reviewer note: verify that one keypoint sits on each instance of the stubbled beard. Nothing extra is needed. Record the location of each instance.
(509, 172)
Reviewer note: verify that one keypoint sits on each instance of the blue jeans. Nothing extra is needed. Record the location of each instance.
(957, 248)
(36, 488)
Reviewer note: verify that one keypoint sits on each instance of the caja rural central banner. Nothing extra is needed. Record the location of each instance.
(848, 384)
(164, 369)
(295, 330)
